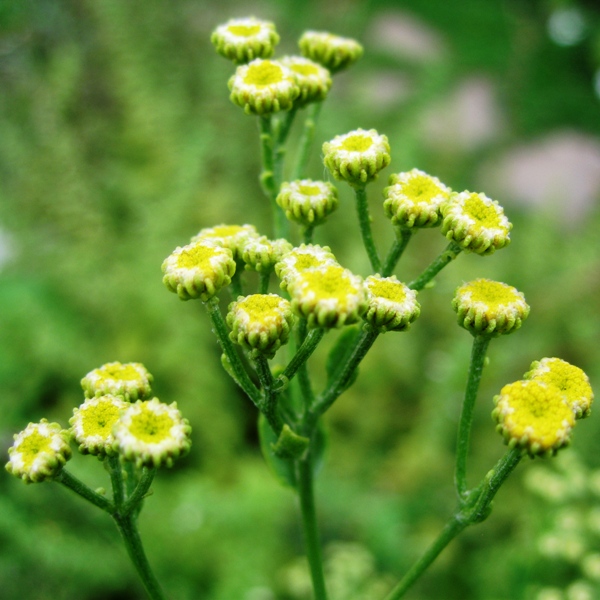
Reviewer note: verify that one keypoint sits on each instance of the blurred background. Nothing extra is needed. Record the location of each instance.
(118, 142)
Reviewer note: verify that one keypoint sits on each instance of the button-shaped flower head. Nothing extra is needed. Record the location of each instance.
(328, 296)
(414, 199)
(39, 452)
(93, 422)
(262, 254)
(260, 322)
(486, 307)
(357, 156)
(313, 80)
(234, 237)
(332, 51)
(533, 415)
(307, 202)
(132, 381)
(263, 87)
(152, 434)
(243, 40)
(198, 270)
(475, 222)
(298, 260)
(392, 305)
(569, 379)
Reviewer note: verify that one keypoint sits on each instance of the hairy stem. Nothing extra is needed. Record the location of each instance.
(269, 404)
(445, 258)
(403, 236)
(308, 134)
(81, 489)
(364, 219)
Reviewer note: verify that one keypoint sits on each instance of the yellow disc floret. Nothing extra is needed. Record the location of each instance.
(533, 415)
(306, 256)
(132, 381)
(392, 305)
(243, 40)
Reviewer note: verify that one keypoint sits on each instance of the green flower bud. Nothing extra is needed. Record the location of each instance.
(332, 51)
(476, 223)
(39, 452)
(307, 202)
(392, 305)
(262, 254)
(313, 80)
(306, 256)
(573, 383)
(414, 199)
(260, 323)
(263, 87)
(198, 270)
(357, 157)
(234, 237)
(533, 415)
(489, 307)
(243, 40)
(152, 434)
(132, 381)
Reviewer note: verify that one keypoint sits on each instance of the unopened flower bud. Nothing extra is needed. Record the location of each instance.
(262, 254)
(234, 237)
(306, 256)
(307, 202)
(392, 305)
(332, 51)
(132, 381)
(243, 40)
(313, 80)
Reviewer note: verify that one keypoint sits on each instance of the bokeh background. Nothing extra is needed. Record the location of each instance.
(118, 142)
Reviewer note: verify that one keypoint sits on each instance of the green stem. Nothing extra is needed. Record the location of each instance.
(269, 404)
(306, 390)
(364, 219)
(403, 236)
(264, 277)
(284, 126)
(308, 134)
(70, 481)
(478, 352)
(133, 543)
(236, 280)
(304, 474)
(311, 341)
(140, 491)
(241, 376)
(116, 478)
(308, 234)
(445, 258)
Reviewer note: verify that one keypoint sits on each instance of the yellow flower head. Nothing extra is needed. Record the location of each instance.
(261, 254)
(313, 80)
(334, 52)
(306, 256)
(489, 307)
(307, 202)
(414, 199)
(475, 222)
(533, 415)
(392, 305)
(234, 237)
(263, 87)
(243, 40)
(328, 296)
(260, 322)
(569, 379)
(132, 381)
(357, 156)
(93, 422)
(39, 452)
(198, 270)
(152, 434)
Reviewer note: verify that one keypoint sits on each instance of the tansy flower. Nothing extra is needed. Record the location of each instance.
(357, 156)
(392, 305)
(533, 415)
(307, 202)
(243, 40)
(39, 452)
(261, 254)
(313, 80)
(414, 199)
(130, 380)
(328, 296)
(306, 256)
(489, 307)
(475, 222)
(332, 51)
(198, 270)
(93, 422)
(152, 434)
(263, 87)
(569, 379)
(234, 237)
(260, 322)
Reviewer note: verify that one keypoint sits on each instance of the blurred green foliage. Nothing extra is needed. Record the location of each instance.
(118, 142)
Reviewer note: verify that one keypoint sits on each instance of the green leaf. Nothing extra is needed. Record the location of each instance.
(282, 468)
(340, 353)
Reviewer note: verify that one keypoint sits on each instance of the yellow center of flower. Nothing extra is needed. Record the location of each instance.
(492, 293)
(486, 214)
(306, 261)
(197, 256)
(569, 379)
(305, 70)
(150, 427)
(264, 74)
(244, 30)
(99, 419)
(421, 188)
(310, 190)
(223, 231)
(260, 307)
(34, 444)
(390, 290)
(357, 143)
(330, 283)
(122, 372)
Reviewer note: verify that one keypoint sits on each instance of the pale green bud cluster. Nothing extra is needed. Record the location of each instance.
(307, 202)
(313, 80)
(131, 381)
(392, 305)
(332, 51)
(243, 40)
(305, 256)
(261, 254)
